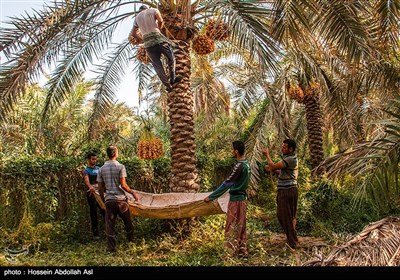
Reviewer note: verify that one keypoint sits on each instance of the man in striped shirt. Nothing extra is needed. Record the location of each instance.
(112, 183)
(236, 183)
(287, 195)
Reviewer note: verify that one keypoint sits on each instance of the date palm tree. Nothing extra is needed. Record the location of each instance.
(336, 62)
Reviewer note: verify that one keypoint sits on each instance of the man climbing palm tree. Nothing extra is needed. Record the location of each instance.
(149, 22)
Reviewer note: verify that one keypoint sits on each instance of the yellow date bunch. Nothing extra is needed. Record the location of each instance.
(203, 45)
(296, 93)
(150, 146)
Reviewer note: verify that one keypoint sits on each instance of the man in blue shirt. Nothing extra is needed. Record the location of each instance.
(90, 179)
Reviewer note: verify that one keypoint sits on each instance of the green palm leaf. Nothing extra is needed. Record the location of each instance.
(374, 162)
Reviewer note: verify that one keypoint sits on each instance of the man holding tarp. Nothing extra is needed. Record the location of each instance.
(236, 183)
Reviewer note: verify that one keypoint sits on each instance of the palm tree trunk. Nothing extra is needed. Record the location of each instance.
(314, 127)
(180, 100)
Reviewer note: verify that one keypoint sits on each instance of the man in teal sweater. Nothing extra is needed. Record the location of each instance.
(236, 183)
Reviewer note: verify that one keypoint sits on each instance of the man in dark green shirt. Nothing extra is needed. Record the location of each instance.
(236, 183)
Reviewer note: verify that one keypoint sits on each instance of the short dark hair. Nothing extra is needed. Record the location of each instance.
(143, 7)
(91, 154)
(239, 146)
(291, 143)
(111, 151)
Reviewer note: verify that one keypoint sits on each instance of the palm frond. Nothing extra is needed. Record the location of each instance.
(32, 28)
(260, 135)
(299, 127)
(38, 41)
(376, 245)
(111, 72)
(340, 23)
(250, 30)
(290, 18)
(212, 139)
(374, 163)
(388, 15)
(60, 31)
(354, 101)
(208, 89)
(280, 104)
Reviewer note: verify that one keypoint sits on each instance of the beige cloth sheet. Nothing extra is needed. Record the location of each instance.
(173, 205)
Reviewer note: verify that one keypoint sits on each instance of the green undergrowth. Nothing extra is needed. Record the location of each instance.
(156, 244)
(325, 215)
(47, 213)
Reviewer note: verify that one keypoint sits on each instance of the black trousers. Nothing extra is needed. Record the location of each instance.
(154, 54)
(94, 219)
(286, 201)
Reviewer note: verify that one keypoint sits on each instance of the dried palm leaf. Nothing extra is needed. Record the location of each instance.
(377, 245)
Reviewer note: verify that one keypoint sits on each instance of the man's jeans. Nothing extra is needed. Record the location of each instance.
(116, 208)
(154, 54)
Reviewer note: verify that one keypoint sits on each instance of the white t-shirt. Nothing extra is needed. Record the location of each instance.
(146, 21)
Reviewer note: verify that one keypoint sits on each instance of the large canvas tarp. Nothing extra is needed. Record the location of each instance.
(173, 205)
